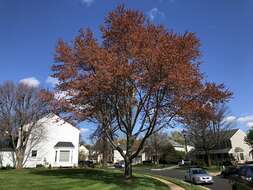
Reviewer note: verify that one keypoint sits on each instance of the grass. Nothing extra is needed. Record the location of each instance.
(152, 165)
(74, 179)
(213, 168)
(185, 185)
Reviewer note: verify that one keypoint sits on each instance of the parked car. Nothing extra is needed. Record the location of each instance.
(229, 171)
(198, 176)
(243, 179)
(119, 165)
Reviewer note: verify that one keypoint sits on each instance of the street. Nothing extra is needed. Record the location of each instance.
(219, 183)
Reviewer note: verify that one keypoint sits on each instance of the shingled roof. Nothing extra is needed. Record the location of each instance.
(230, 133)
(6, 145)
(64, 144)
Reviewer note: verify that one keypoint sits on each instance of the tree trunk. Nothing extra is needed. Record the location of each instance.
(157, 159)
(104, 160)
(208, 159)
(19, 163)
(128, 169)
(19, 159)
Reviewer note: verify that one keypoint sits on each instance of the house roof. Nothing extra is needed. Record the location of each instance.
(6, 145)
(64, 144)
(230, 133)
(56, 120)
(175, 144)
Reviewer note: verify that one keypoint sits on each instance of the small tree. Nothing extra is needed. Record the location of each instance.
(145, 74)
(208, 131)
(154, 146)
(177, 137)
(21, 106)
(249, 140)
(102, 146)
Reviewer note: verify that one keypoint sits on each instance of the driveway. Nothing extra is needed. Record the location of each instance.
(219, 183)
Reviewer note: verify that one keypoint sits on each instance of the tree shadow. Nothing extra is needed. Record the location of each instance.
(108, 177)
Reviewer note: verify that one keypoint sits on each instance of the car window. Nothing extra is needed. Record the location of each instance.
(249, 172)
(242, 171)
(198, 171)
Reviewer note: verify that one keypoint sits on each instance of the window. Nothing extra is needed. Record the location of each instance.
(34, 153)
(56, 156)
(241, 156)
(64, 155)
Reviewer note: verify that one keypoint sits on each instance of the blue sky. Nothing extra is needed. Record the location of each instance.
(29, 30)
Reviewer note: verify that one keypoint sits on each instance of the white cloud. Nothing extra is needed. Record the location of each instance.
(60, 95)
(52, 81)
(84, 130)
(249, 124)
(246, 120)
(230, 119)
(87, 2)
(155, 13)
(31, 81)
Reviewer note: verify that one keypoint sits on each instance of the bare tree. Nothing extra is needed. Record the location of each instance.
(177, 137)
(208, 132)
(21, 106)
(101, 145)
(154, 146)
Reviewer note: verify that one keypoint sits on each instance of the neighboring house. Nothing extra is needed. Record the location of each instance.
(137, 160)
(233, 148)
(117, 156)
(180, 147)
(83, 153)
(57, 148)
(7, 156)
(144, 156)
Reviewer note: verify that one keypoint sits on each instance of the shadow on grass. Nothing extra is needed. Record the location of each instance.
(108, 177)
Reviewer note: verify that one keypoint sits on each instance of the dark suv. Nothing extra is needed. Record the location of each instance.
(243, 180)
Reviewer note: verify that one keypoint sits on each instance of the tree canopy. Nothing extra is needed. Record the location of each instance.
(136, 80)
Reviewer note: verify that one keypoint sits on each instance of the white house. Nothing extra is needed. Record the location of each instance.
(180, 147)
(144, 157)
(83, 152)
(233, 148)
(58, 147)
(118, 158)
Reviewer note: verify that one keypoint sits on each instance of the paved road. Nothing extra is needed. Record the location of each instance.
(219, 183)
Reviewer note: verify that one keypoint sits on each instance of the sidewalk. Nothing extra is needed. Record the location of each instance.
(168, 168)
(169, 184)
(214, 173)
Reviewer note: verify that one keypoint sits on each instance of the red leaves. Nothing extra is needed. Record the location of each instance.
(135, 57)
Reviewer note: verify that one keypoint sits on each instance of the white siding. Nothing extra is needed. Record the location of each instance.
(6, 159)
(117, 156)
(237, 140)
(55, 130)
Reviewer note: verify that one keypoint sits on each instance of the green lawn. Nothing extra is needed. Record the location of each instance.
(152, 165)
(73, 179)
(185, 185)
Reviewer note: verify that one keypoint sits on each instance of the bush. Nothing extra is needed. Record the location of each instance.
(7, 167)
(40, 166)
(147, 162)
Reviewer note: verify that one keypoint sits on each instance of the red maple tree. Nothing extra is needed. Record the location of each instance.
(138, 79)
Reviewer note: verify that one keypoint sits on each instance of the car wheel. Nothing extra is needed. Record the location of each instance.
(194, 181)
(234, 187)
